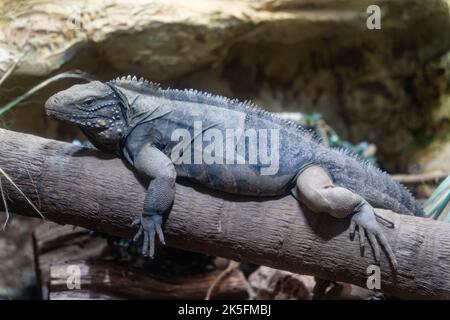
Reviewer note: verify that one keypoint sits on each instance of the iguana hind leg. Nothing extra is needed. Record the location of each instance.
(154, 164)
(317, 191)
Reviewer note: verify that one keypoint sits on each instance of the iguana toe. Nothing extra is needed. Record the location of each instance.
(364, 219)
(150, 225)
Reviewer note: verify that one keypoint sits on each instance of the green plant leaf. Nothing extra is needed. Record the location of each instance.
(64, 75)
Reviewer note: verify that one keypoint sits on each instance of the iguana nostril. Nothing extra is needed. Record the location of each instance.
(51, 102)
(52, 105)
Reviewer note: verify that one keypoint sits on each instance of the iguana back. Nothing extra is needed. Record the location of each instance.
(297, 148)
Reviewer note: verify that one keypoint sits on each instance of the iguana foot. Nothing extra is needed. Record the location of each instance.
(364, 219)
(149, 226)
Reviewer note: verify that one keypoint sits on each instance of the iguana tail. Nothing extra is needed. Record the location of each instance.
(374, 185)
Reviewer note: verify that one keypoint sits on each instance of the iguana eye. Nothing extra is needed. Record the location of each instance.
(88, 102)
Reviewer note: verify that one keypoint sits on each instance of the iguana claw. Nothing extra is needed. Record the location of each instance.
(149, 226)
(364, 219)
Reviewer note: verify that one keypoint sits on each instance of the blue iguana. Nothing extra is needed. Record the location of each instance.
(227, 145)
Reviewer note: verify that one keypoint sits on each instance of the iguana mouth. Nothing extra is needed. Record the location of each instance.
(56, 109)
(91, 122)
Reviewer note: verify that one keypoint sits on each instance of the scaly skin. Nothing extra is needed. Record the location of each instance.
(147, 126)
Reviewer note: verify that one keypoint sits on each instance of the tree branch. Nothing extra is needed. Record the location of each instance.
(418, 178)
(90, 189)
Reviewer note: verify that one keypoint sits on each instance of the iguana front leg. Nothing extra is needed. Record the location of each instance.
(317, 191)
(154, 164)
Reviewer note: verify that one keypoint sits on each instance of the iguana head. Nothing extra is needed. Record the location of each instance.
(97, 108)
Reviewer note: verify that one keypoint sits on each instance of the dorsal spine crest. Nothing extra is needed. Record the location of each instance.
(192, 95)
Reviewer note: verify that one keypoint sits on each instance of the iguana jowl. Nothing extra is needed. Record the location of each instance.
(136, 120)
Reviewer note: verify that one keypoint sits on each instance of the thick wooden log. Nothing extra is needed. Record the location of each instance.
(83, 187)
(59, 249)
(102, 280)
